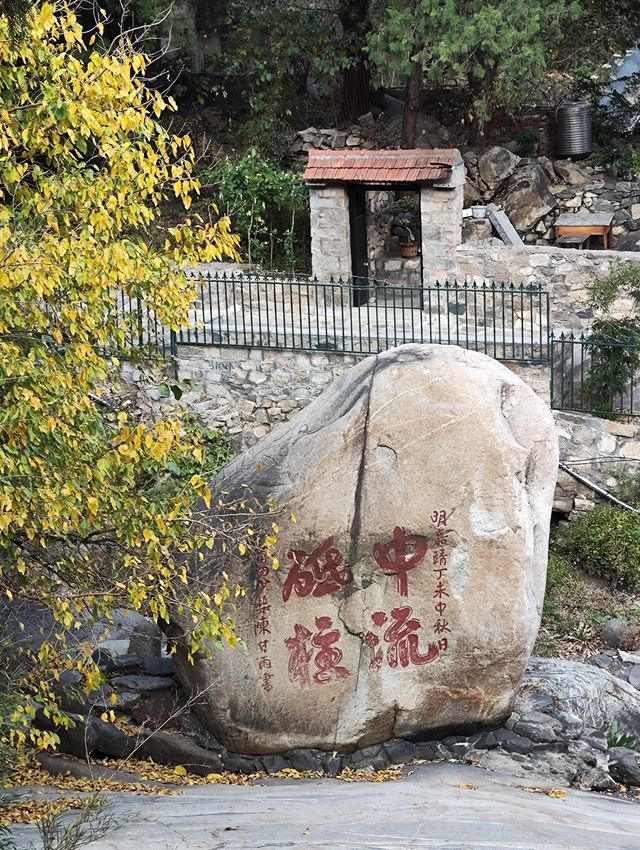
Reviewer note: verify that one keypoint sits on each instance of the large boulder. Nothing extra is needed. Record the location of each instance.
(471, 194)
(526, 197)
(495, 166)
(600, 700)
(629, 242)
(410, 588)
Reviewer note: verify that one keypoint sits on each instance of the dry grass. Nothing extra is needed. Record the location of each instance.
(575, 609)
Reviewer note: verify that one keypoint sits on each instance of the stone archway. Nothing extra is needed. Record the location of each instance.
(332, 177)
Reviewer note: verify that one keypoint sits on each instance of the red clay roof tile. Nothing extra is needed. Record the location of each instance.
(384, 166)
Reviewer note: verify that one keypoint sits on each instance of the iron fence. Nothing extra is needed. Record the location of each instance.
(505, 321)
(142, 328)
(595, 376)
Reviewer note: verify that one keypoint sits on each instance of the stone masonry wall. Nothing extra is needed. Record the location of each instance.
(246, 392)
(564, 273)
(330, 232)
(441, 221)
(602, 450)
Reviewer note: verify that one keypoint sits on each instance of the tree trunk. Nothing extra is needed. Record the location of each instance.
(355, 92)
(481, 89)
(412, 98)
(355, 80)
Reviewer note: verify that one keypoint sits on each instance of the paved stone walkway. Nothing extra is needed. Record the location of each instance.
(430, 809)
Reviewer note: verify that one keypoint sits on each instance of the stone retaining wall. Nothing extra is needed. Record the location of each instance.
(246, 392)
(564, 273)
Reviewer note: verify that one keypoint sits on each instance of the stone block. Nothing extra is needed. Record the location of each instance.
(541, 259)
(631, 450)
(143, 684)
(333, 249)
(393, 265)
(607, 444)
(620, 429)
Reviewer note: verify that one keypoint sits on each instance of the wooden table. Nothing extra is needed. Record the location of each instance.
(585, 224)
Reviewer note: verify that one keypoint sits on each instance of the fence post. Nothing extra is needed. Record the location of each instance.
(173, 348)
(551, 365)
(140, 326)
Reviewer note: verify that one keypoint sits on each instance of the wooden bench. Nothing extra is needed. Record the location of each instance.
(573, 241)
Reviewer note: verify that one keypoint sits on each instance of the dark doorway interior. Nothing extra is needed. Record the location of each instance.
(359, 256)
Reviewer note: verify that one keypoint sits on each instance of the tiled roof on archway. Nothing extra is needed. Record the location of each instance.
(381, 166)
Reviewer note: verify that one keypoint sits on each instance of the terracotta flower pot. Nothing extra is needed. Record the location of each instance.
(408, 250)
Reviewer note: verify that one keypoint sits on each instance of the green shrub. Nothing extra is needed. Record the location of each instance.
(563, 583)
(628, 488)
(561, 573)
(606, 543)
(269, 209)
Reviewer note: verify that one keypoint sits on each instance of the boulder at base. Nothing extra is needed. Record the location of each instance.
(410, 589)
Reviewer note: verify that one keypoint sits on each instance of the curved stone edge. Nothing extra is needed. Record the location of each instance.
(544, 738)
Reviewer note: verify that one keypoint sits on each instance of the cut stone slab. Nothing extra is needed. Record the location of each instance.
(507, 232)
(410, 587)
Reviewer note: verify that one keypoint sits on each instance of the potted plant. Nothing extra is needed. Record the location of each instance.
(404, 222)
(409, 247)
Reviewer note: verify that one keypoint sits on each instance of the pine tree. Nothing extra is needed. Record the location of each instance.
(482, 42)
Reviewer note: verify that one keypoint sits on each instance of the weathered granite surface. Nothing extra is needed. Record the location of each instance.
(410, 588)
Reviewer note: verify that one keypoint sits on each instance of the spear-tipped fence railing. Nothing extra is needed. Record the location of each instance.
(506, 321)
(143, 329)
(273, 311)
(594, 375)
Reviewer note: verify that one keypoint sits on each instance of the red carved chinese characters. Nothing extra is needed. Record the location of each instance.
(299, 655)
(376, 655)
(402, 637)
(439, 563)
(316, 574)
(262, 624)
(400, 555)
(327, 659)
(396, 639)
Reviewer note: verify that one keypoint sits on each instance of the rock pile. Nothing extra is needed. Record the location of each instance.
(369, 133)
(573, 723)
(534, 192)
(374, 131)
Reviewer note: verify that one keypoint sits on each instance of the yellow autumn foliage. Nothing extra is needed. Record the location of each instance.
(84, 167)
